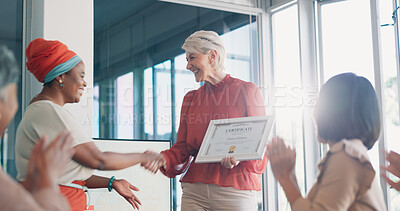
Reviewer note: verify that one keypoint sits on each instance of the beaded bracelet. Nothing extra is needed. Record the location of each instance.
(110, 183)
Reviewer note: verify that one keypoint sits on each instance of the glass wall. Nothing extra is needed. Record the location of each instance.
(388, 43)
(288, 88)
(351, 49)
(145, 47)
(343, 43)
(125, 100)
(346, 40)
(140, 67)
(96, 114)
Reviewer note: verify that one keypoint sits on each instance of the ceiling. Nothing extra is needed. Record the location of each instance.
(108, 13)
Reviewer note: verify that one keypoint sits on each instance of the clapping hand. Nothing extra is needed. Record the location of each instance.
(153, 161)
(282, 158)
(48, 161)
(394, 167)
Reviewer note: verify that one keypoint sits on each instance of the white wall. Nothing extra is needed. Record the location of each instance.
(70, 22)
(154, 190)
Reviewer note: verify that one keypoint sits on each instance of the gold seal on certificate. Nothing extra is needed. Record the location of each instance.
(244, 138)
(232, 149)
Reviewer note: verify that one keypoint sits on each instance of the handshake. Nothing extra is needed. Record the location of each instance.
(153, 161)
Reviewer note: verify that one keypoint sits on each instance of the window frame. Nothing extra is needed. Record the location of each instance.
(311, 59)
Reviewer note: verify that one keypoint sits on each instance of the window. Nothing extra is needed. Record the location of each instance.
(125, 100)
(346, 39)
(163, 106)
(342, 43)
(146, 45)
(346, 45)
(390, 86)
(148, 103)
(288, 89)
(184, 82)
(96, 114)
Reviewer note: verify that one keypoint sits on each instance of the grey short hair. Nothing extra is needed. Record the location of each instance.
(9, 71)
(205, 41)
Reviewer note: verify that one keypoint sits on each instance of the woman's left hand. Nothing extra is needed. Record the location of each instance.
(124, 188)
(229, 162)
(282, 158)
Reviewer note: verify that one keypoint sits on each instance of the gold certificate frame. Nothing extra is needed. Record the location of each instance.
(243, 138)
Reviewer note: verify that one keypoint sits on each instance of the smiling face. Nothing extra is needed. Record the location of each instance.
(73, 83)
(200, 65)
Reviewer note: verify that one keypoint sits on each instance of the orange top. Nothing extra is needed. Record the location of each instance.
(76, 197)
(231, 98)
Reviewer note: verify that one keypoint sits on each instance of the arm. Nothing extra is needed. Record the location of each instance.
(282, 160)
(90, 156)
(123, 187)
(97, 182)
(338, 185)
(178, 154)
(86, 152)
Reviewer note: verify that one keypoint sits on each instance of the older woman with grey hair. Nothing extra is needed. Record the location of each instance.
(228, 185)
(40, 190)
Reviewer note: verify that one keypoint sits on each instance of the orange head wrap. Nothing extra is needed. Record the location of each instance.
(44, 55)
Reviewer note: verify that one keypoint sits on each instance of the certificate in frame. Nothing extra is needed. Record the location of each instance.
(244, 138)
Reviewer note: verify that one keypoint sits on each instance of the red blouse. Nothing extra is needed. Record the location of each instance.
(231, 98)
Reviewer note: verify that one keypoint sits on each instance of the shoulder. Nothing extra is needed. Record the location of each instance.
(45, 104)
(45, 114)
(245, 85)
(348, 159)
(42, 115)
(351, 150)
(340, 159)
(42, 109)
(188, 98)
(191, 93)
(40, 118)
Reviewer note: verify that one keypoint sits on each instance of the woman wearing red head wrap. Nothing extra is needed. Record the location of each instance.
(62, 73)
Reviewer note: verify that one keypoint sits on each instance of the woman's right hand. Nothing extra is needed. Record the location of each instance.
(48, 161)
(282, 158)
(153, 161)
